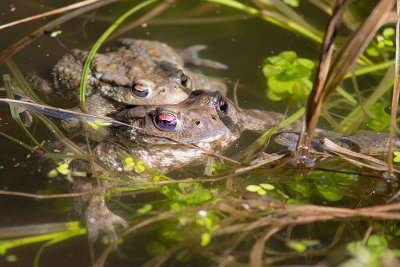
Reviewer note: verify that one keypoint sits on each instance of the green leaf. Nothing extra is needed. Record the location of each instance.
(267, 186)
(377, 118)
(139, 167)
(298, 246)
(272, 70)
(288, 56)
(297, 201)
(205, 239)
(253, 188)
(261, 192)
(330, 193)
(372, 51)
(305, 62)
(303, 187)
(397, 156)
(190, 194)
(333, 179)
(377, 244)
(388, 32)
(129, 164)
(276, 96)
(63, 169)
(146, 208)
(288, 76)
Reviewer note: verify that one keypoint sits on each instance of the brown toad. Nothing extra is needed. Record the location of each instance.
(135, 72)
(160, 134)
(164, 138)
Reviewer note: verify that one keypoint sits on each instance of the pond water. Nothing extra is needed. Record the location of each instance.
(233, 38)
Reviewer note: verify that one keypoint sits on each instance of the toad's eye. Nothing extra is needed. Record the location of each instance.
(223, 105)
(139, 90)
(165, 122)
(184, 80)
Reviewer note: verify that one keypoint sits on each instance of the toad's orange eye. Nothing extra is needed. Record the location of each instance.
(165, 122)
(139, 90)
(223, 105)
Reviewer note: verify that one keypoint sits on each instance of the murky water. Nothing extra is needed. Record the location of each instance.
(241, 43)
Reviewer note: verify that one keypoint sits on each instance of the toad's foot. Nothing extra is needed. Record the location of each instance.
(190, 56)
(101, 219)
(98, 217)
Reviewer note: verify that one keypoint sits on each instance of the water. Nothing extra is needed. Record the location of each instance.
(241, 44)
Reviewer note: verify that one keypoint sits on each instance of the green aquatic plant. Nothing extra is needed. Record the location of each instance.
(130, 165)
(301, 245)
(197, 225)
(260, 189)
(397, 156)
(50, 233)
(62, 169)
(375, 252)
(378, 119)
(384, 42)
(328, 185)
(288, 76)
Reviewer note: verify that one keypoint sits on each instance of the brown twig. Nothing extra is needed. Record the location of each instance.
(314, 102)
(329, 77)
(19, 45)
(37, 196)
(49, 13)
(395, 96)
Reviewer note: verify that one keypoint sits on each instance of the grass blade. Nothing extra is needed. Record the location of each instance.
(98, 43)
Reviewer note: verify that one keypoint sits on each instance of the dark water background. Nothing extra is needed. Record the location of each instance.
(241, 44)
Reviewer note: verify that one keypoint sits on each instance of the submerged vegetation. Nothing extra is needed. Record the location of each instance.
(342, 210)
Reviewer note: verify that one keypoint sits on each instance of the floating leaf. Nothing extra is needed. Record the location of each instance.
(377, 243)
(288, 76)
(63, 169)
(129, 164)
(377, 118)
(261, 192)
(205, 239)
(330, 193)
(253, 188)
(397, 156)
(139, 167)
(302, 187)
(298, 246)
(388, 32)
(267, 186)
(189, 194)
(146, 208)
